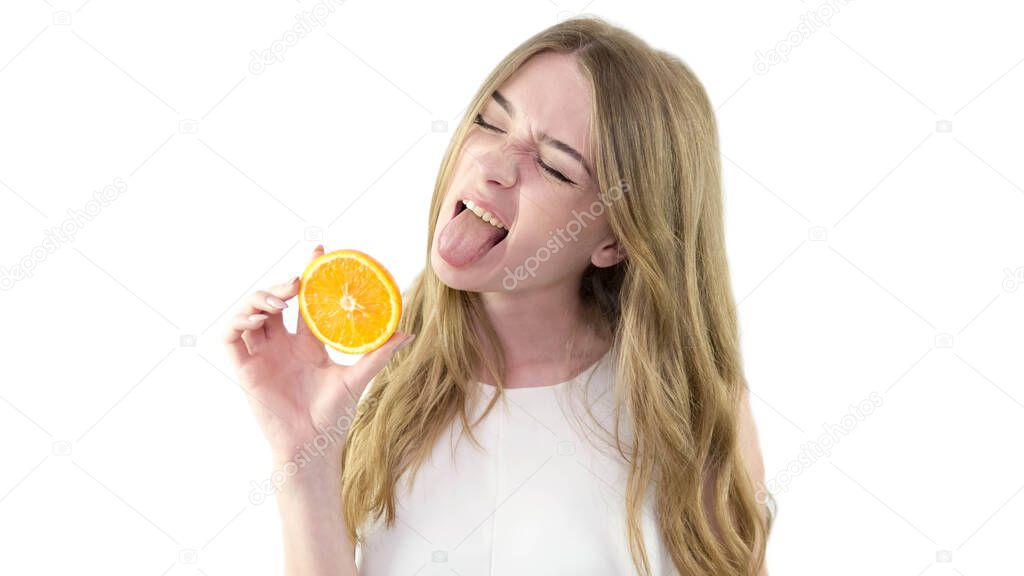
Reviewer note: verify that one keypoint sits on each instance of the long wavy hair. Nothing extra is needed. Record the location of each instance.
(667, 308)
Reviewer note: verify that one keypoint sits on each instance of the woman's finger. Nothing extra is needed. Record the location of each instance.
(259, 313)
(237, 325)
(256, 336)
(367, 367)
(254, 303)
(266, 300)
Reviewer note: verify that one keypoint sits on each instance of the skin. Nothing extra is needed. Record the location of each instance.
(295, 389)
(499, 163)
(538, 314)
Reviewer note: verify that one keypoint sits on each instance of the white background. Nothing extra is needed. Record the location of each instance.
(874, 191)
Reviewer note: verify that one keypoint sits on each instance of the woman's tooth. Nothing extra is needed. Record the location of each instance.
(483, 214)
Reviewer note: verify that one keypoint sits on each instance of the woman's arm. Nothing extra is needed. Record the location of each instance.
(314, 532)
(292, 374)
(750, 446)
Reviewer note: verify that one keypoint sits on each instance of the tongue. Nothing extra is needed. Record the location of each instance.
(466, 238)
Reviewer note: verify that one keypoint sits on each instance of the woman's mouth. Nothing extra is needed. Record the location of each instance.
(462, 205)
(469, 234)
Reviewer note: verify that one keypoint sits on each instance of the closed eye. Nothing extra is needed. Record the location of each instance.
(479, 120)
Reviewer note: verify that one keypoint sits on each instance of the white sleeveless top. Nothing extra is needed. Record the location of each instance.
(541, 499)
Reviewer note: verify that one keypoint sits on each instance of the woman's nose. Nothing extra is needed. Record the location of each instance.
(497, 164)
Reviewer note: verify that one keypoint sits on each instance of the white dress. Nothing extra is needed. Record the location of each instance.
(541, 500)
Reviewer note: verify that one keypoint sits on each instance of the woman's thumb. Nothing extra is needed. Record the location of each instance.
(374, 361)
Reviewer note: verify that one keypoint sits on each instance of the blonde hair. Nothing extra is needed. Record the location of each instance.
(667, 308)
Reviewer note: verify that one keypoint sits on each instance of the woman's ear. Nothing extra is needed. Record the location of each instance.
(609, 253)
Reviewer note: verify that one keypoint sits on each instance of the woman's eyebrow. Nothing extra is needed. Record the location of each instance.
(544, 137)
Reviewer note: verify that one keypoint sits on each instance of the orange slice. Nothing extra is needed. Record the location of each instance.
(349, 301)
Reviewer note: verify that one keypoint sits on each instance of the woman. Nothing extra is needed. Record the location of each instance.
(577, 266)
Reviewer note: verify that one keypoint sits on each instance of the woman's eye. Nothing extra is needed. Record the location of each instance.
(554, 172)
(483, 124)
(479, 120)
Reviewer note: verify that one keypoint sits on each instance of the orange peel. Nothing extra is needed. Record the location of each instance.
(350, 301)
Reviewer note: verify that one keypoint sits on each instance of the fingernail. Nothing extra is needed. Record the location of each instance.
(276, 302)
(257, 317)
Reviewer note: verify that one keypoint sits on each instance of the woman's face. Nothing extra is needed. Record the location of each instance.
(530, 167)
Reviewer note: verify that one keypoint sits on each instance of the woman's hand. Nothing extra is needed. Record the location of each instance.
(295, 390)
